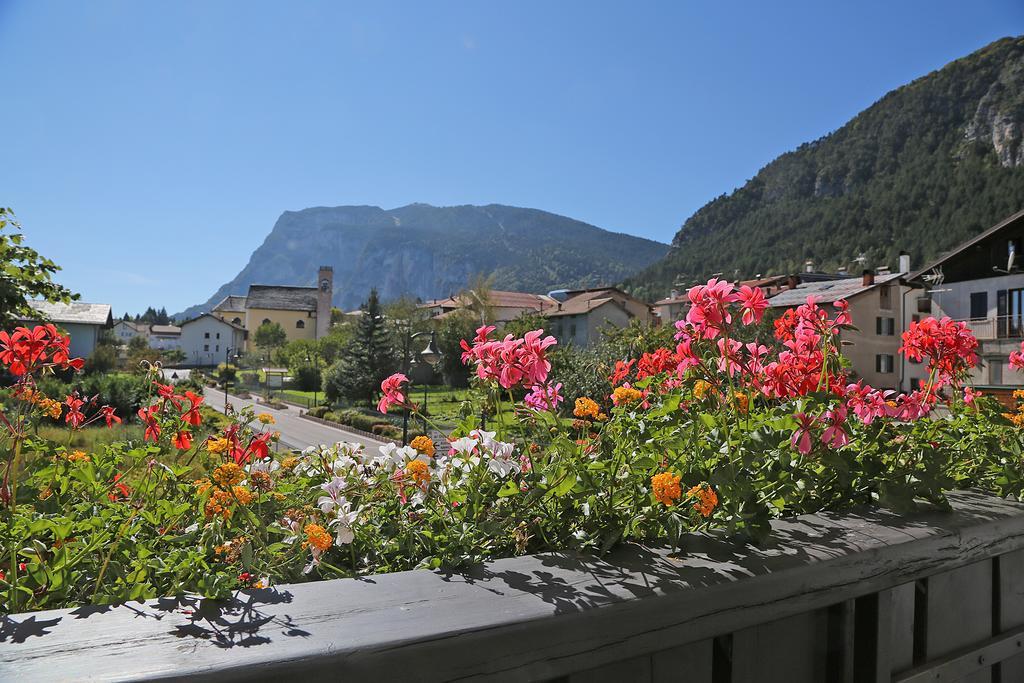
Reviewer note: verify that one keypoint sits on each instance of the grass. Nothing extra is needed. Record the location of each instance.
(90, 439)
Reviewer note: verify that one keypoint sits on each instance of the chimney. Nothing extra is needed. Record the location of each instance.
(792, 281)
(674, 294)
(869, 277)
(324, 295)
(808, 266)
(904, 262)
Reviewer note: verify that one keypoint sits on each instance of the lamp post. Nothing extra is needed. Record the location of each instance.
(227, 362)
(316, 371)
(428, 355)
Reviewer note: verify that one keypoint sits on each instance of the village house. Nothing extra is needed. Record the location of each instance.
(578, 317)
(504, 306)
(981, 282)
(206, 339)
(676, 305)
(303, 312)
(164, 337)
(126, 330)
(84, 322)
(876, 310)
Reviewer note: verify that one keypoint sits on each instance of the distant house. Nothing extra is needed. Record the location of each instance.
(981, 282)
(504, 305)
(126, 330)
(164, 337)
(675, 306)
(83, 322)
(877, 311)
(303, 312)
(207, 339)
(577, 317)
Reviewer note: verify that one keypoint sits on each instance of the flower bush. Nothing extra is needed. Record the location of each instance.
(711, 432)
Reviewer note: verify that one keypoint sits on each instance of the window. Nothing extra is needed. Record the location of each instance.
(206, 335)
(885, 297)
(572, 331)
(237, 321)
(206, 347)
(300, 324)
(266, 321)
(979, 305)
(924, 304)
(884, 363)
(995, 372)
(885, 327)
(218, 348)
(218, 335)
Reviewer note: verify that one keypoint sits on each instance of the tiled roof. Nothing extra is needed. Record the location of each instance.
(75, 312)
(232, 303)
(582, 303)
(282, 298)
(167, 330)
(827, 291)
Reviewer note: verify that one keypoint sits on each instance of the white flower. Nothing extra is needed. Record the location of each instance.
(392, 455)
(486, 439)
(333, 489)
(344, 519)
(464, 446)
(502, 460)
(266, 466)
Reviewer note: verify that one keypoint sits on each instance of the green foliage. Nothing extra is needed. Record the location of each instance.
(901, 175)
(24, 274)
(451, 330)
(269, 336)
(366, 360)
(103, 359)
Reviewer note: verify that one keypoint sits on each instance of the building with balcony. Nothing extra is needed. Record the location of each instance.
(981, 282)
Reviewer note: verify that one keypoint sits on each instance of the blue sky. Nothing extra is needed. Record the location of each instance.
(148, 148)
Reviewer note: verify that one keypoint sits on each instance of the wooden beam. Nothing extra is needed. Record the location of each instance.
(968, 662)
(526, 618)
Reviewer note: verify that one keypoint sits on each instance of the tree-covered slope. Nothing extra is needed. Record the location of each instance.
(427, 251)
(929, 165)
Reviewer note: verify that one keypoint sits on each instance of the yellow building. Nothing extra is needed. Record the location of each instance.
(303, 312)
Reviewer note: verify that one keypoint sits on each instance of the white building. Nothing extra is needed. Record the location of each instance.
(126, 330)
(83, 322)
(164, 337)
(205, 340)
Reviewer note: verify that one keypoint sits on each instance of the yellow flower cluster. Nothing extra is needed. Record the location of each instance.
(218, 446)
(665, 488)
(289, 463)
(77, 456)
(48, 406)
(424, 445)
(625, 396)
(701, 389)
(1017, 417)
(266, 418)
(741, 402)
(705, 500)
(586, 408)
(227, 475)
(317, 537)
(220, 503)
(418, 471)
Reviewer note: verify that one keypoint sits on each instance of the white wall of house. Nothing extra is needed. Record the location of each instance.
(954, 298)
(83, 338)
(585, 329)
(125, 332)
(205, 340)
(165, 342)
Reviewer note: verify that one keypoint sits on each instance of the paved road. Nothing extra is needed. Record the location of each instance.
(296, 432)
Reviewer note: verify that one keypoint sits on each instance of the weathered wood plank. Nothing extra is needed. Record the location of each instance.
(1011, 608)
(791, 650)
(960, 612)
(527, 618)
(690, 663)
(637, 669)
(969, 663)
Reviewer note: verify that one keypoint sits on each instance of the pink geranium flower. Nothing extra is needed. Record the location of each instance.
(392, 389)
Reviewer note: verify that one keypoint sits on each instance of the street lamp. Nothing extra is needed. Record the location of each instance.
(428, 355)
(316, 372)
(227, 362)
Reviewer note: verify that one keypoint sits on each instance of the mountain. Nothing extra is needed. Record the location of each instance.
(428, 251)
(926, 167)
